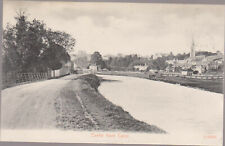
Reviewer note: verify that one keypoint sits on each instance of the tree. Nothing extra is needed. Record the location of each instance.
(81, 59)
(160, 63)
(35, 46)
(170, 56)
(61, 38)
(29, 46)
(96, 58)
(11, 56)
(59, 44)
(23, 44)
(55, 56)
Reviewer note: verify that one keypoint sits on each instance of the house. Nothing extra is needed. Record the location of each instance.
(199, 69)
(66, 69)
(187, 72)
(153, 71)
(141, 67)
(171, 61)
(93, 68)
(158, 55)
(170, 68)
(213, 62)
(105, 69)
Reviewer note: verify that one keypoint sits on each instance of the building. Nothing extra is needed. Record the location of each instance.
(93, 68)
(141, 67)
(187, 72)
(199, 64)
(192, 53)
(170, 68)
(213, 62)
(157, 55)
(198, 69)
(67, 68)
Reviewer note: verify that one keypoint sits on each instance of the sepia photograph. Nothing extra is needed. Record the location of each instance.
(112, 72)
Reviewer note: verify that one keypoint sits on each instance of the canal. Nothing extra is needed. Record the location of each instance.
(174, 108)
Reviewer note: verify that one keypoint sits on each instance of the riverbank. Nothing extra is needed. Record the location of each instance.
(82, 107)
(208, 85)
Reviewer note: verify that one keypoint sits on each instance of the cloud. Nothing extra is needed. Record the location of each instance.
(126, 28)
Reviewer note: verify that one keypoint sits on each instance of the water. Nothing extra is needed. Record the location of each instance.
(174, 108)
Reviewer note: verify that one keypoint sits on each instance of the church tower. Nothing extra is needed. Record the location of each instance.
(192, 53)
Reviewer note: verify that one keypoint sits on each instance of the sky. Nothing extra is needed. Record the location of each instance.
(129, 28)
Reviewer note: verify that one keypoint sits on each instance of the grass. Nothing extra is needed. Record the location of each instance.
(109, 116)
(208, 85)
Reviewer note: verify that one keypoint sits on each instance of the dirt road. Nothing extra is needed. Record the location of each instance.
(31, 105)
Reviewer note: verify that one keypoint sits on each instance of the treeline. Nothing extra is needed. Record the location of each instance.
(29, 46)
(126, 63)
(186, 55)
(118, 63)
(122, 63)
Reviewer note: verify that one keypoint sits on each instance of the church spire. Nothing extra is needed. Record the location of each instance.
(192, 53)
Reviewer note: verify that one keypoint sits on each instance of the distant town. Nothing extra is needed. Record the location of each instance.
(193, 63)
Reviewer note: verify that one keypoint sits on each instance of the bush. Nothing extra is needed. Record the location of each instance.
(92, 79)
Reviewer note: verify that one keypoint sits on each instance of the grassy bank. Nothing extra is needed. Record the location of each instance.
(208, 85)
(82, 107)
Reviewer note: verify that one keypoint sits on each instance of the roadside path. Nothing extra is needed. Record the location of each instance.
(45, 104)
(31, 105)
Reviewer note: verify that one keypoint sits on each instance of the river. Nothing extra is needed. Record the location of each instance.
(174, 108)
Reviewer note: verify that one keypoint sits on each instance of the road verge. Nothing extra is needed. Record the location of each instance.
(81, 98)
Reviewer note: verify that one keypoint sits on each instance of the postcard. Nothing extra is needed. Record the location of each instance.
(112, 72)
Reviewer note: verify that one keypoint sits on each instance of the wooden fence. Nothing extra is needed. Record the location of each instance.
(12, 79)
